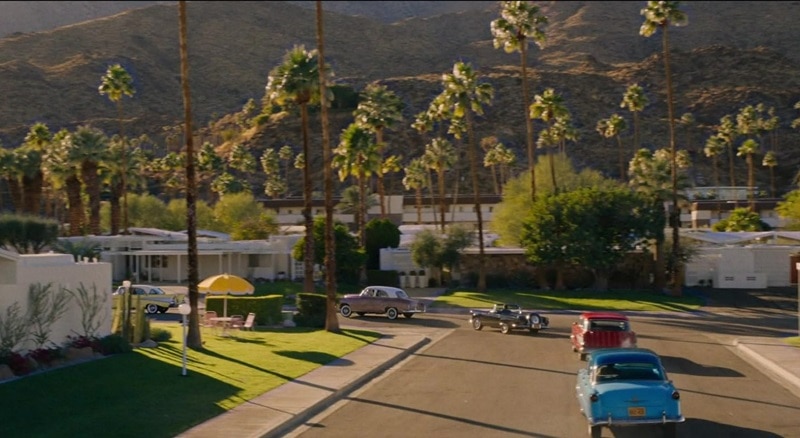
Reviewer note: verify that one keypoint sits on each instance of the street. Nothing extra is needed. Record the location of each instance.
(468, 383)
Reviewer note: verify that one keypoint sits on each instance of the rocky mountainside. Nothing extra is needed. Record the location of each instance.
(730, 55)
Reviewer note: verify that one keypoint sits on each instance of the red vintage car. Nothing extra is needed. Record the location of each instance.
(596, 330)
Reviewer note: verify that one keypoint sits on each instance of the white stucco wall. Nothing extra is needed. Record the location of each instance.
(61, 271)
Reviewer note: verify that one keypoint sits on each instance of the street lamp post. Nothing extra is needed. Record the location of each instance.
(184, 310)
(126, 307)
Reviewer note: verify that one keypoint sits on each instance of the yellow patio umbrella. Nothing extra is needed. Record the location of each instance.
(225, 284)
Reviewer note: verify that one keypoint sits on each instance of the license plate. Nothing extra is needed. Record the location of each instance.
(636, 412)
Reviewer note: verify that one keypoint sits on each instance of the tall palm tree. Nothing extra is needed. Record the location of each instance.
(549, 108)
(378, 110)
(612, 127)
(440, 156)
(357, 156)
(415, 179)
(36, 143)
(463, 98)
(747, 149)
(728, 133)
(11, 173)
(64, 173)
(295, 82)
(194, 339)
(89, 150)
(714, 147)
(770, 160)
(660, 15)
(520, 21)
(115, 84)
(634, 101)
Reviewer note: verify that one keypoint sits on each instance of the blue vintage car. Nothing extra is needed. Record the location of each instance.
(627, 387)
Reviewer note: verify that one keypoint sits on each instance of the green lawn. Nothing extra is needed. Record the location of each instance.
(144, 394)
(572, 300)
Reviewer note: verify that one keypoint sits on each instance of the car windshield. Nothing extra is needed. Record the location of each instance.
(608, 325)
(628, 371)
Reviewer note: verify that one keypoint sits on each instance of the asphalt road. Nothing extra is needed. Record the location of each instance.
(469, 383)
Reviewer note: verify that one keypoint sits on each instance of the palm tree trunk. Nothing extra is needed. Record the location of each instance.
(76, 216)
(677, 266)
(381, 190)
(331, 318)
(440, 176)
(116, 195)
(473, 164)
(419, 206)
(308, 259)
(193, 339)
(89, 172)
(523, 54)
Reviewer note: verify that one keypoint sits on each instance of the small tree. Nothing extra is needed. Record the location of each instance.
(13, 328)
(381, 233)
(91, 305)
(349, 257)
(44, 309)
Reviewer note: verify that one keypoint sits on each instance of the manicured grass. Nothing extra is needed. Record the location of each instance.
(572, 300)
(144, 394)
(795, 341)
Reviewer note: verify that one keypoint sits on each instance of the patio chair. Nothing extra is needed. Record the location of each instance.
(249, 322)
(207, 322)
(237, 321)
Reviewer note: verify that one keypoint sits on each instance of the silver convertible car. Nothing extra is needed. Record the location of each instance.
(627, 387)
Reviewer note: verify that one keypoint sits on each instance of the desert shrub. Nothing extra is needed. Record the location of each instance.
(114, 344)
(160, 335)
(20, 365)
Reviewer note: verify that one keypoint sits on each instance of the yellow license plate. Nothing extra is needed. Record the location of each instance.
(636, 412)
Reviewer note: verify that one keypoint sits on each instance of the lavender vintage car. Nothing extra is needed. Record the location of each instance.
(384, 300)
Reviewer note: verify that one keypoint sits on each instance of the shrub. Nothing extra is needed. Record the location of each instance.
(19, 364)
(160, 335)
(114, 344)
(45, 357)
(83, 342)
(311, 309)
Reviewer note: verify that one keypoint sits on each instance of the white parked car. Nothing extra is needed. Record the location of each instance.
(153, 298)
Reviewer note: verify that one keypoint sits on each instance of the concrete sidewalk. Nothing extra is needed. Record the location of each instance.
(775, 358)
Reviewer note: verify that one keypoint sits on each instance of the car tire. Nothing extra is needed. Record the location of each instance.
(391, 313)
(505, 328)
(345, 310)
(595, 431)
(408, 315)
(476, 323)
(151, 309)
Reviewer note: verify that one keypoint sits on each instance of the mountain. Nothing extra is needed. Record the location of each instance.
(731, 54)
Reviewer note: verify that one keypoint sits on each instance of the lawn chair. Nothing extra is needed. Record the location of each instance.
(237, 321)
(249, 322)
(207, 322)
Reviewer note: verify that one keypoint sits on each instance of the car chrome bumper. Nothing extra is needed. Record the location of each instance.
(631, 422)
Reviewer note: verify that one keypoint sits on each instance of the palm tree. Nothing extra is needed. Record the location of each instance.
(115, 84)
(65, 174)
(770, 160)
(519, 21)
(11, 173)
(357, 156)
(440, 156)
(549, 108)
(662, 14)
(635, 101)
(728, 133)
(270, 163)
(613, 127)
(295, 82)
(379, 109)
(415, 179)
(714, 147)
(747, 149)
(36, 143)
(89, 150)
(492, 158)
(194, 339)
(461, 100)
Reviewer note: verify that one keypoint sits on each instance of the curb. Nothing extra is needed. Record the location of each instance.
(768, 367)
(340, 393)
